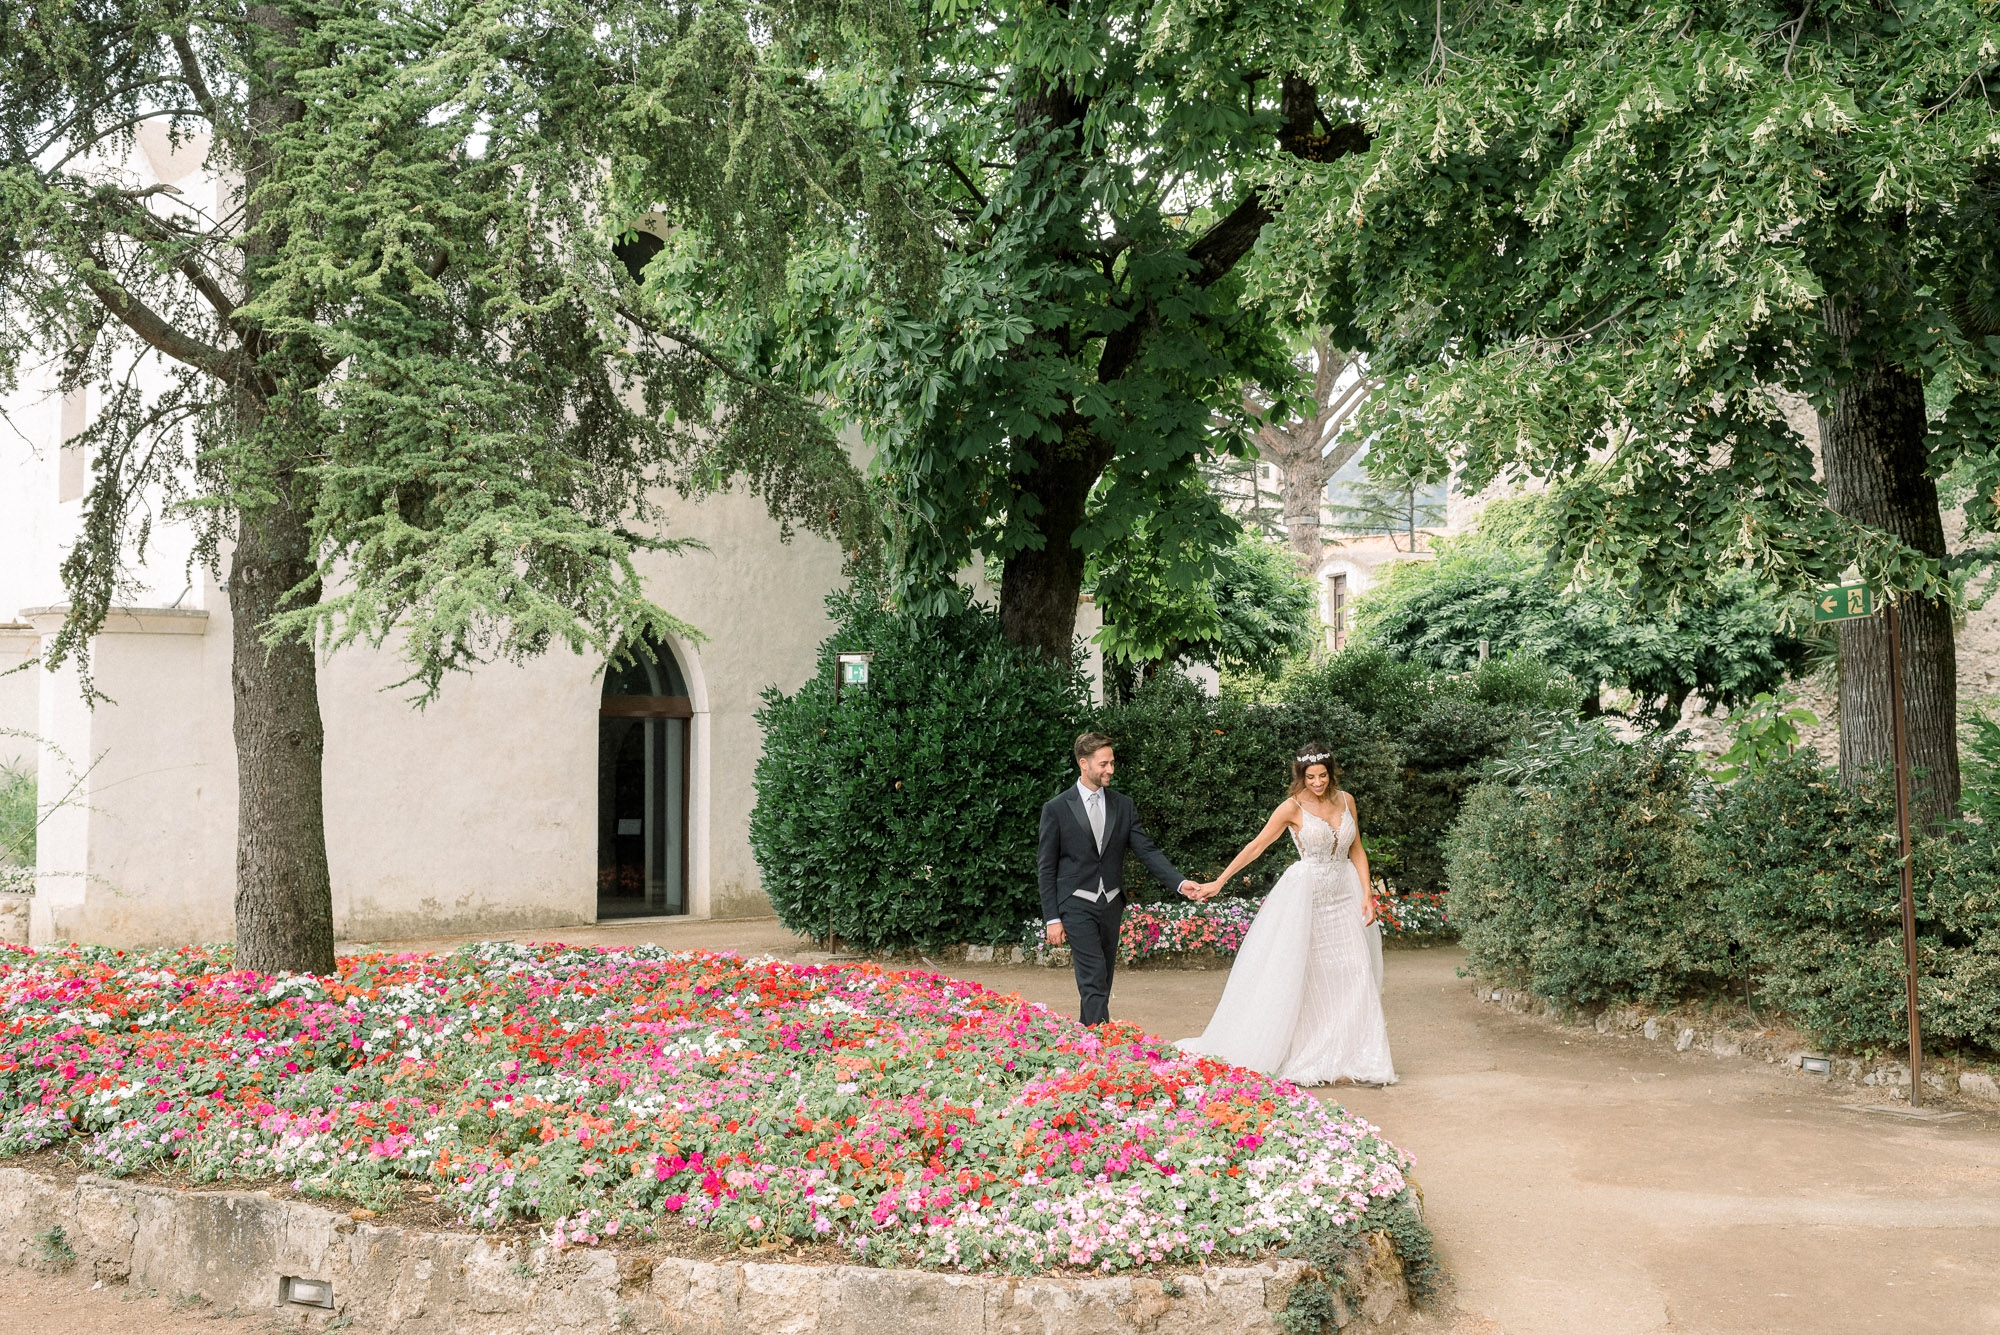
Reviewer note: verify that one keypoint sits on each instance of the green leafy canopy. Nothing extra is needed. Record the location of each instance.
(1003, 238)
(401, 319)
(1590, 242)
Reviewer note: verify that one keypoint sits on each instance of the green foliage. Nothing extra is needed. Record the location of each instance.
(412, 338)
(1588, 882)
(1007, 241)
(1762, 732)
(18, 817)
(1595, 871)
(54, 1245)
(1445, 727)
(907, 810)
(1254, 612)
(1979, 767)
(1206, 773)
(1315, 1304)
(1390, 499)
(1614, 231)
(1810, 877)
(1723, 642)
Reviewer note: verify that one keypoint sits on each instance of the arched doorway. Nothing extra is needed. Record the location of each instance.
(644, 751)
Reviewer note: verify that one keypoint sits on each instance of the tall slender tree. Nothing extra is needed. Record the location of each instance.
(399, 388)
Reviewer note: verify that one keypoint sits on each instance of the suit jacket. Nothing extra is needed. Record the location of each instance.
(1071, 860)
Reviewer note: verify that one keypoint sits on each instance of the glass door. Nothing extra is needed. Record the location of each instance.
(644, 746)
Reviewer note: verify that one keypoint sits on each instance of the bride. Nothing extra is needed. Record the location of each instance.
(1302, 1002)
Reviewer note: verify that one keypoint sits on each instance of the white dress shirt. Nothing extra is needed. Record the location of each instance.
(1093, 807)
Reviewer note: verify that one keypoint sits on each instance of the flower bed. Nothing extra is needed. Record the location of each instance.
(1185, 927)
(916, 1119)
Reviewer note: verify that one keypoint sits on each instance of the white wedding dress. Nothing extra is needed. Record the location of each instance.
(1303, 1002)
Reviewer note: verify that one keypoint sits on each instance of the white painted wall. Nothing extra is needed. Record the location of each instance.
(477, 813)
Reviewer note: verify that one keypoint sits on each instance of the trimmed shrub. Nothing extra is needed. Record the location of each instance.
(1808, 873)
(1206, 773)
(905, 811)
(1446, 727)
(1588, 883)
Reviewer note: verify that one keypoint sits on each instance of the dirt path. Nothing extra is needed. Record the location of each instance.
(1582, 1184)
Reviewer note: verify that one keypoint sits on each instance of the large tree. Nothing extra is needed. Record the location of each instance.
(1008, 239)
(1589, 243)
(400, 391)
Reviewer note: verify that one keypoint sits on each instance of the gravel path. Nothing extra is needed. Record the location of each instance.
(1578, 1184)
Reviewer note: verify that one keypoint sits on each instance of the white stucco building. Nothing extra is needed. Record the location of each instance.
(527, 796)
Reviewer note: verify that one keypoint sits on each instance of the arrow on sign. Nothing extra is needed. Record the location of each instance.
(1844, 603)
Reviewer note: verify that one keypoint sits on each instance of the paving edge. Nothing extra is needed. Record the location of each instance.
(231, 1249)
(1672, 1028)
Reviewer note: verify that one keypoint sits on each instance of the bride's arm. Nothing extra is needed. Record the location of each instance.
(1281, 820)
(1359, 857)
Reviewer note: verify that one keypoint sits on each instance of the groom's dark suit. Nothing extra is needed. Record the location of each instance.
(1073, 868)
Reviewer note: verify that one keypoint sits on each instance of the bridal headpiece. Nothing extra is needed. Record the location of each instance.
(1313, 757)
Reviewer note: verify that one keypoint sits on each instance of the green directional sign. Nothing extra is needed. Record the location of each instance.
(1845, 603)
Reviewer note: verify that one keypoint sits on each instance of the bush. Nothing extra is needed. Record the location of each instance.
(1589, 883)
(907, 810)
(1206, 773)
(1809, 876)
(1446, 726)
(1593, 871)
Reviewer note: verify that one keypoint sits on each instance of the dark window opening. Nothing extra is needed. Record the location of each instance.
(644, 760)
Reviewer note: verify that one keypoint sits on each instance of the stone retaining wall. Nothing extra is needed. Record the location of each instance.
(1726, 1041)
(233, 1248)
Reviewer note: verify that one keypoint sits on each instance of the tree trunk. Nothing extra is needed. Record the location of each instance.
(1039, 589)
(1304, 491)
(1872, 448)
(284, 895)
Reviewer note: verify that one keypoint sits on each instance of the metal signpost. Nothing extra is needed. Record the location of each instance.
(1846, 603)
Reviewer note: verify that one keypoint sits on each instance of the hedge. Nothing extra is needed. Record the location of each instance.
(1600, 871)
(906, 813)
(897, 812)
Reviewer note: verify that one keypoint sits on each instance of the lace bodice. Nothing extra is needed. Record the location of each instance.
(1319, 842)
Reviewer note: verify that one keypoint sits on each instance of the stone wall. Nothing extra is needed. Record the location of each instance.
(234, 1248)
(1717, 1037)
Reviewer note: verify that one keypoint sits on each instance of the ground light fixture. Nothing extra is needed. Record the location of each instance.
(1816, 1065)
(301, 1292)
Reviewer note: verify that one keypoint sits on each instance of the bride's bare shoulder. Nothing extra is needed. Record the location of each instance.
(1287, 811)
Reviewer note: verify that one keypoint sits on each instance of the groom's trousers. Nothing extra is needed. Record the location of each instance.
(1092, 930)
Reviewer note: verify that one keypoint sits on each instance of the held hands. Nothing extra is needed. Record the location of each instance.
(1370, 911)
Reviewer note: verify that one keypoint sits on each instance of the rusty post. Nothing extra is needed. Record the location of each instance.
(1903, 833)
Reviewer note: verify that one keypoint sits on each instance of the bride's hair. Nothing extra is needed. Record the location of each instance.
(1314, 753)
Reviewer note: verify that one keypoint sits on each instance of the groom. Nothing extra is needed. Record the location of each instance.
(1085, 831)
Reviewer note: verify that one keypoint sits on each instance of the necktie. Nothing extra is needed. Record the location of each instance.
(1096, 805)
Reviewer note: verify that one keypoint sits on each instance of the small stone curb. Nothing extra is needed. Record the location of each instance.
(1724, 1041)
(233, 1249)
